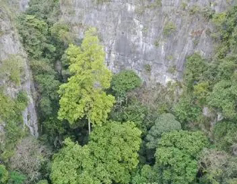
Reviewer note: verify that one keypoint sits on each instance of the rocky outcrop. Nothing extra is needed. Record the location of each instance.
(152, 37)
(10, 46)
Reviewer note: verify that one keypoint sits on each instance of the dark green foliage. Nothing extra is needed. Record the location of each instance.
(42, 35)
(13, 177)
(212, 84)
(176, 156)
(195, 91)
(45, 40)
(124, 82)
(186, 110)
(146, 174)
(47, 10)
(225, 136)
(16, 178)
(200, 92)
(194, 70)
(21, 100)
(223, 97)
(164, 123)
(226, 24)
(60, 31)
(227, 67)
(47, 86)
(133, 111)
(35, 36)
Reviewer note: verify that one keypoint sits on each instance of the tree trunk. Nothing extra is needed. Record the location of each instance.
(89, 126)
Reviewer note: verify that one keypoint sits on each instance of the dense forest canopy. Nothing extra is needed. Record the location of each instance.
(97, 127)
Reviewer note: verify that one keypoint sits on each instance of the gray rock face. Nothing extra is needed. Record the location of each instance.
(10, 46)
(23, 5)
(151, 37)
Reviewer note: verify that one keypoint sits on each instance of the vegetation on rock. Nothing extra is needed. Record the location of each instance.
(184, 133)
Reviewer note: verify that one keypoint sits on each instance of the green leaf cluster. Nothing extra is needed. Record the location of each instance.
(3, 174)
(11, 69)
(169, 28)
(110, 156)
(45, 40)
(124, 82)
(132, 111)
(186, 110)
(11, 118)
(47, 10)
(83, 95)
(176, 156)
(164, 123)
(146, 174)
(194, 70)
(35, 36)
(7, 177)
(225, 136)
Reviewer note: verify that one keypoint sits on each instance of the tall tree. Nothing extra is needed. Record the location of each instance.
(83, 95)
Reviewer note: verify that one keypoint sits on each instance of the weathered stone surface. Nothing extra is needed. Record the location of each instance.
(23, 5)
(10, 45)
(133, 32)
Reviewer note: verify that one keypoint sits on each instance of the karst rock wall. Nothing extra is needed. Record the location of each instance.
(152, 37)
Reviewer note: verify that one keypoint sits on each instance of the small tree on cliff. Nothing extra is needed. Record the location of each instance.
(83, 95)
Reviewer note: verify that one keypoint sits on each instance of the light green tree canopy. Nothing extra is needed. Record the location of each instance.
(83, 95)
(71, 164)
(3, 174)
(110, 156)
(116, 145)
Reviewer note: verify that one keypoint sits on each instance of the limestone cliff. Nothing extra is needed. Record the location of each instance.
(10, 46)
(153, 37)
